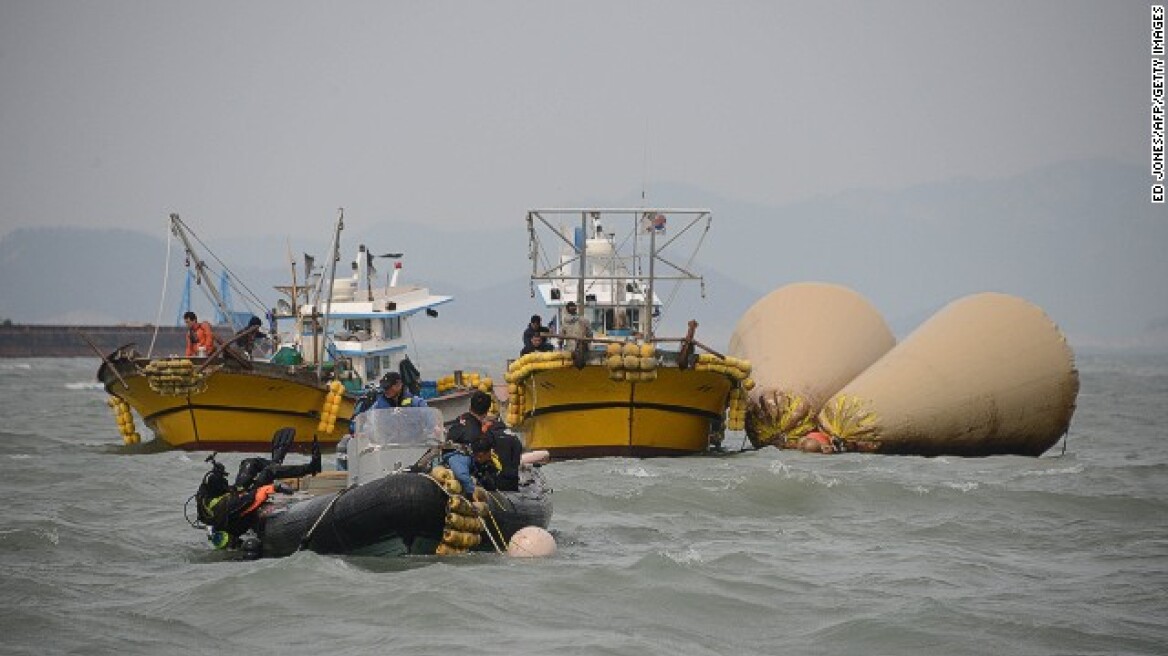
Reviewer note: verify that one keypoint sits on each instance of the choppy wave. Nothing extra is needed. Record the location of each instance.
(752, 553)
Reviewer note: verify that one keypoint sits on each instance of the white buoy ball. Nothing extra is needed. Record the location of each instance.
(531, 542)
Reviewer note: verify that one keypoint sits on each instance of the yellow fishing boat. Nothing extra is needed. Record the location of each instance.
(346, 334)
(614, 387)
(227, 407)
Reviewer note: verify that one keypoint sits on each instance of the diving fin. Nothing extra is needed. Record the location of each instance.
(282, 443)
(314, 464)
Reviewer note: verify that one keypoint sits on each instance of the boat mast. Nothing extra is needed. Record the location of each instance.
(648, 322)
(295, 293)
(335, 253)
(180, 230)
(584, 231)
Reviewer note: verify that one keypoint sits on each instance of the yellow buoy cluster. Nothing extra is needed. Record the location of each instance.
(847, 417)
(738, 371)
(523, 368)
(463, 527)
(125, 420)
(779, 418)
(332, 404)
(736, 413)
(631, 362)
(469, 379)
(175, 377)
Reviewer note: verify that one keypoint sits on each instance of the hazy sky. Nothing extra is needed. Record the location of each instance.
(246, 116)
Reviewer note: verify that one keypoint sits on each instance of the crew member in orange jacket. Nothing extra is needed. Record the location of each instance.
(199, 335)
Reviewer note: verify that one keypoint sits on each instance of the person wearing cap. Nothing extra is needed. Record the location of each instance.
(394, 395)
(575, 328)
(534, 327)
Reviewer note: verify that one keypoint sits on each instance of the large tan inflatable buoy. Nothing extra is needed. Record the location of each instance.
(805, 342)
(988, 374)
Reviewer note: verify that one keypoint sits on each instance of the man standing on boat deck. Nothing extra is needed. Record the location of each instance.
(200, 339)
(575, 328)
(539, 342)
(534, 327)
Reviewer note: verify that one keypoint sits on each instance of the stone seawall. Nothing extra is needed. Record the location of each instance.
(24, 341)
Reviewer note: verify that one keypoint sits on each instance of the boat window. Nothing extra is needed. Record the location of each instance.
(618, 321)
(357, 325)
(595, 319)
(634, 318)
(393, 328)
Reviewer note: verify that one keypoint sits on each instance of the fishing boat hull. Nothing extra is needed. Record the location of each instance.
(232, 409)
(237, 406)
(582, 413)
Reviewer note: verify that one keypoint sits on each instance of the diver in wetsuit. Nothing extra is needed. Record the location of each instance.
(229, 510)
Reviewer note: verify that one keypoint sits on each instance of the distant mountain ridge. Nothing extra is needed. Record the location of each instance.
(1079, 239)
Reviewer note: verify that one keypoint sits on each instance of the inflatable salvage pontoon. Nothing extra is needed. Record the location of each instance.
(377, 508)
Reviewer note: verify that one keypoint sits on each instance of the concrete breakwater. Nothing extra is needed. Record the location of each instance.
(60, 341)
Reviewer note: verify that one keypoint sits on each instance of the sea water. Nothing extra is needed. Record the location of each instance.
(758, 552)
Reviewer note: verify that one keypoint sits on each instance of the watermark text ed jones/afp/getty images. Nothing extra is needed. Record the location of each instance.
(1157, 132)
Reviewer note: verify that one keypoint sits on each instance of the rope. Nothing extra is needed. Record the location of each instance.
(161, 301)
(308, 536)
(495, 523)
(482, 522)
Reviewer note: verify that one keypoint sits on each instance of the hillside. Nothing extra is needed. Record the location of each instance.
(1079, 239)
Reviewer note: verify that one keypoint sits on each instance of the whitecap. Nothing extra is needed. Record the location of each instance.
(687, 557)
(638, 472)
(1073, 469)
(51, 536)
(85, 386)
(826, 481)
(963, 487)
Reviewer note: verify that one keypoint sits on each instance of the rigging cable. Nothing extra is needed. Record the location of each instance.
(410, 329)
(233, 280)
(677, 286)
(161, 301)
